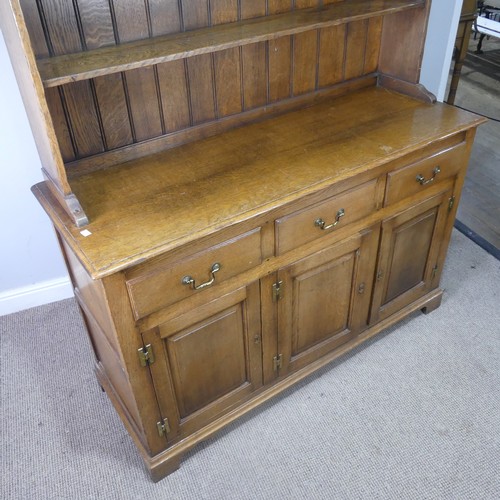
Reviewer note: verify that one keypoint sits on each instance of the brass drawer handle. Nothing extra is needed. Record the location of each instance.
(421, 179)
(322, 224)
(188, 280)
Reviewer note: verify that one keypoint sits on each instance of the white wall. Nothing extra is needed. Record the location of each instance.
(32, 271)
(438, 51)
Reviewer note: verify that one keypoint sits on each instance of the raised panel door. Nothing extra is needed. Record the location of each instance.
(325, 300)
(208, 360)
(409, 255)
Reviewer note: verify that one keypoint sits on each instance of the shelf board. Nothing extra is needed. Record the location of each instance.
(68, 68)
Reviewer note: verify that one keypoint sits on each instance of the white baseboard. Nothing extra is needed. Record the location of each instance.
(25, 297)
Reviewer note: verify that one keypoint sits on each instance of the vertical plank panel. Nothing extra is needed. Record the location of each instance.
(227, 63)
(131, 20)
(165, 17)
(201, 88)
(227, 68)
(223, 11)
(114, 112)
(373, 41)
(279, 6)
(54, 103)
(174, 95)
(279, 56)
(96, 22)
(132, 24)
(304, 4)
(254, 59)
(195, 13)
(200, 70)
(279, 68)
(62, 26)
(144, 103)
(78, 99)
(97, 27)
(84, 119)
(355, 49)
(37, 36)
(60, 124)
(254, 75)
(304, 62)
(331, 55)
(252, 8)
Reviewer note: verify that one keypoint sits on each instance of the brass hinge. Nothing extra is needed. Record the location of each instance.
(451, 203)
(277, 291)
(163, 427)
(277, 362)
(146, 355)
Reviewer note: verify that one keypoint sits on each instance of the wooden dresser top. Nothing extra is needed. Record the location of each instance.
(148, 206)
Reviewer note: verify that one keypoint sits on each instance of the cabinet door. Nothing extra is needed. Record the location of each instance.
(325, 300)
(409, 253)
(207, 360)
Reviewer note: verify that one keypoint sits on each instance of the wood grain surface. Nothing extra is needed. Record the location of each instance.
(253, 57)
(82, 66)
(262, 187)
(196, 189)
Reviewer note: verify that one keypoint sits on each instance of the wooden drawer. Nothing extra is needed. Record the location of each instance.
(418, 176)
(162, 284)
(321, 219)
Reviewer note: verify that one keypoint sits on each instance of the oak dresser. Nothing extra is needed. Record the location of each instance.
(243, 190)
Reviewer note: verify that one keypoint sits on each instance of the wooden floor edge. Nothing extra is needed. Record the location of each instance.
(159, 463)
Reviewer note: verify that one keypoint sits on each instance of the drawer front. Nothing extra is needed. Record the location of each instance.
(325, 217)
(164, 285)
(418, 176)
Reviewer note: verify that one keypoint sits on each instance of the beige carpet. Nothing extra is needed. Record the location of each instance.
(413, 415)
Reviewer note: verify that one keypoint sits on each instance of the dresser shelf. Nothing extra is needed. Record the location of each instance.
(63, 69)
